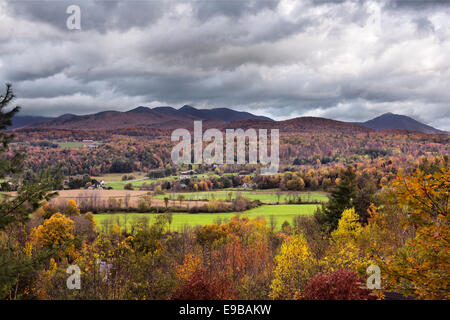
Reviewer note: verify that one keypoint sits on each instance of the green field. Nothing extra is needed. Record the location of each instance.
(75, 144)
(119, 185)
(110, 177)
(263, 196)
(281, 213)
(114, 180)
(69, 144)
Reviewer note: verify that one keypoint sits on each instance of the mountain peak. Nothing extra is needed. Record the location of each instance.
(165, 109)
(187, 107)
(393, 115)
(140, 109)
(392, 121)
(67, 115)
(224, 114)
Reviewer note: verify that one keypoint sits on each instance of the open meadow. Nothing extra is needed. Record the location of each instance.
(102, 200)
(280, 213)
(268, 197)
(114, 180)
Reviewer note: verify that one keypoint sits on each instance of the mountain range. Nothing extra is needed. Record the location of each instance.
(25, 121)
(170, 118)
(159, 117)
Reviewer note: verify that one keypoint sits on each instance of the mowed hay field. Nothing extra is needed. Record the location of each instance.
(280, 213)
(99, 198)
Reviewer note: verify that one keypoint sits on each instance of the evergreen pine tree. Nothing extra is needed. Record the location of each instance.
(32, 191)
(342, 197)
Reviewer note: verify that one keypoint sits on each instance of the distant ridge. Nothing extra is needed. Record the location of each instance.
(311, 125)
(159, 117)
(166, 117)
(223, 114)
(25, 121)
(391, 121)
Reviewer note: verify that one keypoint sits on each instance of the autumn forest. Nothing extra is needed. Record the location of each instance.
(347, 205)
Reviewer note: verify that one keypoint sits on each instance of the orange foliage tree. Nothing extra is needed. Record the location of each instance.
(56, 233)
(422, 266)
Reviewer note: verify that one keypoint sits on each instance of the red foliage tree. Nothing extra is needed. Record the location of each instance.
(338, 285)
(200, 286)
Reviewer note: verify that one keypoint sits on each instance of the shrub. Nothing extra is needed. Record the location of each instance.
(217, 206)
(313, 232)
(143, 206)
(338, 285)
(202, 287)
(159, 190)
(128, 186)
(241, 203)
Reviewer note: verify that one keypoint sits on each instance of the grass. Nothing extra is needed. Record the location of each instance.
(281, 213)
(110, 177)
(74, 144)
(69, 144)
(114, 180)
(263, 196)
(119, 185)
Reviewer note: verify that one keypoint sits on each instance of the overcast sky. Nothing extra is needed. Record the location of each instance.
(346, 60)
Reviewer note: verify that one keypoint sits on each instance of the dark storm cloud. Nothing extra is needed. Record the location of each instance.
(99, 15)
(104, 15)
(349, 60)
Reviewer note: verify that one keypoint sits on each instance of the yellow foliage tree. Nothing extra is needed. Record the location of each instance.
(91, 218)
(349, 228)
(43, 285)
(190, 264)
(56, 232)
(72, 209)
(344, 251)
(294, 265)
(116, 232)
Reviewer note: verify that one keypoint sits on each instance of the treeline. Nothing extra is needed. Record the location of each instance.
(123, 153)
(370, 176)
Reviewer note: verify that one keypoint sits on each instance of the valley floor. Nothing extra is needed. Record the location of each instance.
(281, 213)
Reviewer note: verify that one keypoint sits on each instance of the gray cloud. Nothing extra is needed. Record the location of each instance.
(349, 60)
(98, 15)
